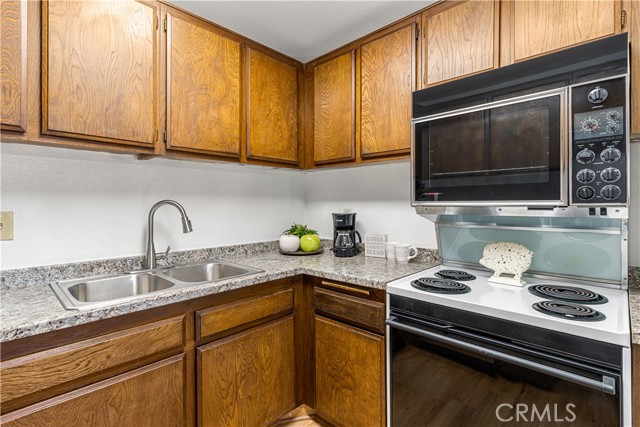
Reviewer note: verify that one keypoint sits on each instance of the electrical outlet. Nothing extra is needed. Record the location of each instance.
(6, 225)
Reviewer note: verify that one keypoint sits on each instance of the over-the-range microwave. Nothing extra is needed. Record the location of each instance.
(547, 134)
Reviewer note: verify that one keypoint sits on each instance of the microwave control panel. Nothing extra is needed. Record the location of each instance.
(598, 152)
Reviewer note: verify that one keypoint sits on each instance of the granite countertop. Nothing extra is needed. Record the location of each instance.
(634, 311)
(34, 309)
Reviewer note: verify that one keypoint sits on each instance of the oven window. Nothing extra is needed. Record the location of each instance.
(433, 385)
(512, 152)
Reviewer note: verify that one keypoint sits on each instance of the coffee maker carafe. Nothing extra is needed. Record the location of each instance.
(344, 235)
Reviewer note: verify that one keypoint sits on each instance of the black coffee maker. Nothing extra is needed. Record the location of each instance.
(344, 235)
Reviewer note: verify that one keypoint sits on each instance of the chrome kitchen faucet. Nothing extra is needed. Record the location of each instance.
(151, 257)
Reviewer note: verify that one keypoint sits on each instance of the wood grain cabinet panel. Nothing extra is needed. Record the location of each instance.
(349, 374)
(13, 65)
(334, 110)
(635, 68)
(387, 82)
(635, 383)
(544, 26)
(272, 108)
(40, 371)
(150, 396)
(460, 39)
(357, 310)
(227, 317)
(99, 62)
(203, 87)
(247, 379)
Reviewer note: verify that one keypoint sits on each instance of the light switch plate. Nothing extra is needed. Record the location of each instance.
(6, 225)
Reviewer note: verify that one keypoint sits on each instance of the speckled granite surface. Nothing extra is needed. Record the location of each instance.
(29, 307)
(634, 303)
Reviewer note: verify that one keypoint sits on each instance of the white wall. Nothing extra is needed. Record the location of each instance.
(77, 205)
(74, 205)
(378, 194)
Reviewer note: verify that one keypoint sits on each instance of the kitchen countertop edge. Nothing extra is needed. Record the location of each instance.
(35, 310)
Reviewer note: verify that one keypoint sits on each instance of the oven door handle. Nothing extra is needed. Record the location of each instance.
(607, 385)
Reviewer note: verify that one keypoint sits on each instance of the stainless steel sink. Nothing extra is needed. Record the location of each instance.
(207, 272)
(94, 292)
(111, 288)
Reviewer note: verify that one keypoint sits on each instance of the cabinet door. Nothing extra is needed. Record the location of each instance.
(13, 65)
(247, 379)
(150, 396)
(635, 68)
(334, 110)
(203, 87)
(543, 26)
(387, 82)
(99, 62)
(272, 108)
(349, 374)
(460, 38)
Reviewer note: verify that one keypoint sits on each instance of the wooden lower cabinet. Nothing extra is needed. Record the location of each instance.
(153, 395)
(350, 377)
(247, 379)
(635, 384)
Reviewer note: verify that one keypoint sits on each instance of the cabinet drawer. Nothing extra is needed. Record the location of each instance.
(247, 312)
(40, 371)
(357, 310)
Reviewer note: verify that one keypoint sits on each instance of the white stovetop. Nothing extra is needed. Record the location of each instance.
(514, 303)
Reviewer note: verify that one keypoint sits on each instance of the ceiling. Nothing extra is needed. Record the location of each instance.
(303, 29)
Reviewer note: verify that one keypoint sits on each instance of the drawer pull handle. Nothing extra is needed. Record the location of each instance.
(346, 288)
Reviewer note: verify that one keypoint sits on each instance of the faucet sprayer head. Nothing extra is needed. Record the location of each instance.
(186, 225)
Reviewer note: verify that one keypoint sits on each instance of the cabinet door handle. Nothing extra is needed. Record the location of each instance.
(346, 288)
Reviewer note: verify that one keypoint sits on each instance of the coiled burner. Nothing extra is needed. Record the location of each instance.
(567, 293)
(567, 310)
(440, 286)
(455, 275)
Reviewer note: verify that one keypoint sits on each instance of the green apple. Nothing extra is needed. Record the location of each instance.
(310, 242)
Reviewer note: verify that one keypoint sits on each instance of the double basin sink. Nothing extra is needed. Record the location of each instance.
(94, 292)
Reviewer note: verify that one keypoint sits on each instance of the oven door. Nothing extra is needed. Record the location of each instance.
(510, 152)
(440, 378)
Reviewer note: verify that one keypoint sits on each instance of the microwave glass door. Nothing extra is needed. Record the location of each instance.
(506, 152)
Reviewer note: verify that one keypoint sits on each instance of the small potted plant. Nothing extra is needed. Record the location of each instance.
(299, 236)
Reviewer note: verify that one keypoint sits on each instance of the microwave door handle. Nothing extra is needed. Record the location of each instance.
(607, 385)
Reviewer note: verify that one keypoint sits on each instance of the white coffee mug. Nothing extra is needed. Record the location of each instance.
(404, 253)
(390, 250)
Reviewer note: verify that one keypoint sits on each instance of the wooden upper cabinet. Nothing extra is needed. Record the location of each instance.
(635, 68)
(387, 82)
(272, 108)
(203, 87)
(13, 65)
(99, 70)
(459, 39)
(539, 27)
(334, 110)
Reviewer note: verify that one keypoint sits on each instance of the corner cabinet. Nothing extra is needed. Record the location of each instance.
(459, 39)
(100, 71)
(13, 65)
(272, 108)
(334, 110)
(202, 87)
(246, 376)
(349, 354)
(387, 81)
